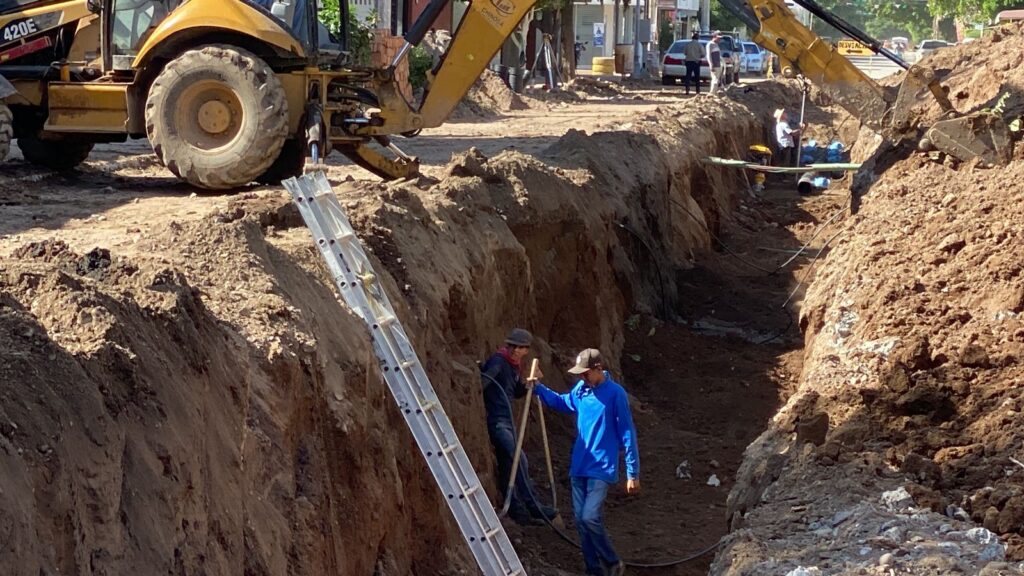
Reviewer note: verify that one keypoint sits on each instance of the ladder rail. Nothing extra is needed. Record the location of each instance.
(357, 283)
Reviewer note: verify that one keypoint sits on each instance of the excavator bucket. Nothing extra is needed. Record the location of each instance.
(373, 160)
(981, 135)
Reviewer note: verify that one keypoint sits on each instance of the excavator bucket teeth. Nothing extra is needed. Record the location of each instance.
(980, 135)
(387, 168)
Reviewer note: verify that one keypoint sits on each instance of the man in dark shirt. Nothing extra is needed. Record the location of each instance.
(693, 53)
(502, 380)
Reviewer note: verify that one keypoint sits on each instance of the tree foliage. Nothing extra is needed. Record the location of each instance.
(909, 18)
(723, 19)
(969, 10)
(360, 34)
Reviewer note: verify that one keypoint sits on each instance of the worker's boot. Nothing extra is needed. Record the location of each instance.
(617, 569)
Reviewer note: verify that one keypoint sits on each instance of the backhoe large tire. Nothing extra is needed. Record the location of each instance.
(290, 162)
(217, 117)
(6, 130)
(60, 154)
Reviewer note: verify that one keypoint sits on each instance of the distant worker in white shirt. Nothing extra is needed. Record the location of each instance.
(787, 138)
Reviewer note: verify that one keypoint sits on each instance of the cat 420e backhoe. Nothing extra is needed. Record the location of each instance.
(892, 112)
(227, 91)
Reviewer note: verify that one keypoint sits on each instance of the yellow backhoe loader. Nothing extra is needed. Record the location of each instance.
(892, 112)
(227, 91)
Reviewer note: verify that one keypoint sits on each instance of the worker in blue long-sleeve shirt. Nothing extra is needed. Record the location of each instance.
(604, 426)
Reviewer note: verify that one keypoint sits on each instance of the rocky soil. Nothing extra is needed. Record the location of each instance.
(900, 451)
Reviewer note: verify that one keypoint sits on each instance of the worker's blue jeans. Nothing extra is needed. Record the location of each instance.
(588, 496)
(524, 499)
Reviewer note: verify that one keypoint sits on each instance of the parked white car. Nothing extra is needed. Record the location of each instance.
(755, 59)
(673, 65)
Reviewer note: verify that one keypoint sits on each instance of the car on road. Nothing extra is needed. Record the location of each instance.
(755, 59)
(673, 65)
(929, 46)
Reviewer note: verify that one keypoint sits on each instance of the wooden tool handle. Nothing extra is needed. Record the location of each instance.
(533, 370)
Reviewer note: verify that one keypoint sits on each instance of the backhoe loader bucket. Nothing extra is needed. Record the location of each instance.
(981, 135)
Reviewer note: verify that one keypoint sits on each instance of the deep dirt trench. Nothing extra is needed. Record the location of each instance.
(183, 394)
(706, 377)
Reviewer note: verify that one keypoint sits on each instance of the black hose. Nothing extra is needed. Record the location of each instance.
(657, 267)
(719, 240)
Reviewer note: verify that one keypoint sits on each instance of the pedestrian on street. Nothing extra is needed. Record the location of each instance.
(786, 136)
(714, 56)
(502, 379)
(604, 426)
(693, 53)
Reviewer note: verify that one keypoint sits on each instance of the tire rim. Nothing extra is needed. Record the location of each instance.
(209, 115)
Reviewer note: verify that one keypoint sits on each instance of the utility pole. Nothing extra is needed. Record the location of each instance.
(705, 15)
(637, 56)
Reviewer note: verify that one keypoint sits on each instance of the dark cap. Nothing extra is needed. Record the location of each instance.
(519, 337)
(586, 360)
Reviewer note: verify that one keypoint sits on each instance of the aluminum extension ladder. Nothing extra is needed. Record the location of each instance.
(359, 287)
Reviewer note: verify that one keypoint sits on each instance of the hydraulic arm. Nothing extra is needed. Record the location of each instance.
(485, 26)
(891, 112)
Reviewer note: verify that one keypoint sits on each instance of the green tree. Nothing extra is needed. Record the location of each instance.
(854, 12)
(360, 34)
(665, 35)
(969, 10)
(723, 19)
(910, 18)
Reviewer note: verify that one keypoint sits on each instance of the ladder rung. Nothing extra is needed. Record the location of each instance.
(407, 364)
(450, 448)
(471, 490)
(492, 532)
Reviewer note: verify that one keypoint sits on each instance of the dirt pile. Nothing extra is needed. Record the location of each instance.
(594, 87)
(900, 449)
(978, 74)
(489, 96)
(182, 393)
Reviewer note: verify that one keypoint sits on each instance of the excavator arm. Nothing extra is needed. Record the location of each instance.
(483, 29)
(485, 26)
(891, 112)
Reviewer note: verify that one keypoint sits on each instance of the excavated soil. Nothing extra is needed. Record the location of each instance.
(182, 393)
(900, 451)
(978, 74)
